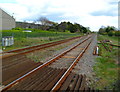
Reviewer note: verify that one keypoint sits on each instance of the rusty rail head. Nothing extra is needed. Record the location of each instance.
(21, 49)
(41, 66)
(37, 47)
(62, 79)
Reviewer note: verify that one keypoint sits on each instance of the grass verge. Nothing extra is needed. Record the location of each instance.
(106, 67)
(23, 39)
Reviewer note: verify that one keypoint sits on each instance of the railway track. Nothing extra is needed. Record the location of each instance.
(47, 77)
(17, 65)
(34, 48)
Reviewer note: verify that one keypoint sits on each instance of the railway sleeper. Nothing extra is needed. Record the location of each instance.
(35, 77)
(48, 79)
(55, 79)
(36, 80)
(74, 83)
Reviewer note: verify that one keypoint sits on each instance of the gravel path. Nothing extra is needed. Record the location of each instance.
(86, 63)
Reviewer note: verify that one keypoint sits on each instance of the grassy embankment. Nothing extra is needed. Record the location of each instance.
(106, 67)
(23, 39)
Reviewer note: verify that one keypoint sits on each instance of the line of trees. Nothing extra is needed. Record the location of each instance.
(109, 30)
(62, 27)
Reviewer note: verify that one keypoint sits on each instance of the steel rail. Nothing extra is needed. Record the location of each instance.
(17, 50)
(65, 75)
(41, 66)
(37, 47)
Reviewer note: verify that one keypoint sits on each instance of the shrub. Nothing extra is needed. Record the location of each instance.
(110, 33)
(53, 30)
(117, 33)
(17, 28)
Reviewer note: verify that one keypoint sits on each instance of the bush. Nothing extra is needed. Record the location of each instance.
(110, 33)
(117, 33)
(84, 31)
(17, 28)
(53, 30)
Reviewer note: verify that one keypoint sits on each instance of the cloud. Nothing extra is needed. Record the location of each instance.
(105, 13)
(19, 11)
(8, 1)
(96, 22)
(113, 3)
(92, 13)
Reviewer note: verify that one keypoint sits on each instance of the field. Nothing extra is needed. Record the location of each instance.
(106, 67)
(23, 39)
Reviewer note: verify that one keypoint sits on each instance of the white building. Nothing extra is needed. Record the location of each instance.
(7, 22)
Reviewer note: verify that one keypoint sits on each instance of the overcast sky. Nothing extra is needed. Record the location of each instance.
(89, 13)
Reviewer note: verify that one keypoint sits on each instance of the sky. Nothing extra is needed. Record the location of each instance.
(89, 13)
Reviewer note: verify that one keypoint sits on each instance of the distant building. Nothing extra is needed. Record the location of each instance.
(7, 22)
(28, 25)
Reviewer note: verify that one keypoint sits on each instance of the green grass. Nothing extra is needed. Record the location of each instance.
(40, 33)
(23, 39)
(114, 39)
(106, 71)
(106, 67)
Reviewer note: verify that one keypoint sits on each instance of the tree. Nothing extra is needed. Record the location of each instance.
(45, 23)
(101, 31)
(71, 28)
(84, 30)
(42, 20)
(62, 26)
(77, 27)
(110, 28)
